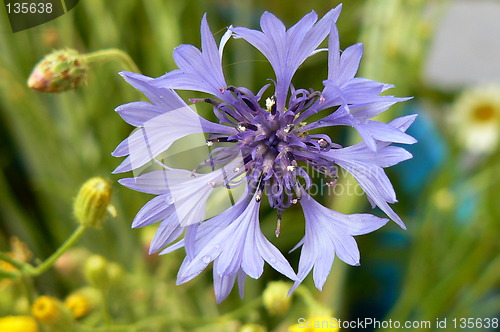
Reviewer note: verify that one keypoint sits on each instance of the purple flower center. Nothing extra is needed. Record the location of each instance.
(274, 149)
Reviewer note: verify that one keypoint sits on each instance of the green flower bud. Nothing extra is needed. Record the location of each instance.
(96, 272)
(275, 297)
(91, 204)
(59, 71)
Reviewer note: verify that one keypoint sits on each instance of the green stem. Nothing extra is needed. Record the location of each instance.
(28, 287)
(45, 265)
(6, 258)
(112, 54)
(9, 275)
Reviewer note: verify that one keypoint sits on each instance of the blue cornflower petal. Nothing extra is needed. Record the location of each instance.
(239, 245)
(198, 71)
(154, 138)
(329, 233)
(164, 98)
(287, 50)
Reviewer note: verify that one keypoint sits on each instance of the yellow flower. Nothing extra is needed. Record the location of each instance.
(18, 324)
(52, 313)
(83, 301)
(46, 309)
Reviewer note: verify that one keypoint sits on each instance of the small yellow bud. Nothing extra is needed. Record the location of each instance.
(91, 203)
(252, 328)
(96, 271)
(275, 297)
(59, 71)
(51, 312)
(82, 302)
(46, 309)
(18, 324)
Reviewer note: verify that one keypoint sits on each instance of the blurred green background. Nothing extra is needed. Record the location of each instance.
(446, 265)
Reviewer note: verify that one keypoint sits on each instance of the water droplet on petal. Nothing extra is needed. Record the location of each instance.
(206, 259)
(170, 199)
(217, 246)
(273, 260)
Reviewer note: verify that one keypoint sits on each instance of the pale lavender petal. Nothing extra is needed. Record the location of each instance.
(164, 98)
(159, 133)
(139, 112)
(168, 232)
(387, 133)
(198, 71)
(404, 122)
(349, 63)
(223, 284)
(153, 211)
(287, 50)
(274, 257)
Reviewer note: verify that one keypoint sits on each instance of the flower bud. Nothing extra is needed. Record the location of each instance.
(51, 312)
(275, 297)
(91, 204)
(82, 301)
(96, 271)
(18, 324)
(58, 71)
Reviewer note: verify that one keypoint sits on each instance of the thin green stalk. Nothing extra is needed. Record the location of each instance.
(9, 275)
(112, 54)
(28, 287)
(6, 258)
(45, 265)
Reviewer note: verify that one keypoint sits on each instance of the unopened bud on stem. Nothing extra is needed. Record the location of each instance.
(59, 71)
(91, 204)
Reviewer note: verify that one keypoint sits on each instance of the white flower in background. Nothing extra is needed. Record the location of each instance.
(476, 118)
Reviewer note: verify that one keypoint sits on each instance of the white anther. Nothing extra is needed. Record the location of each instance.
(290, 168)
(270, 103)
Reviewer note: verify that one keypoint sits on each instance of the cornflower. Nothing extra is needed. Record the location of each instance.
(264, 146)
